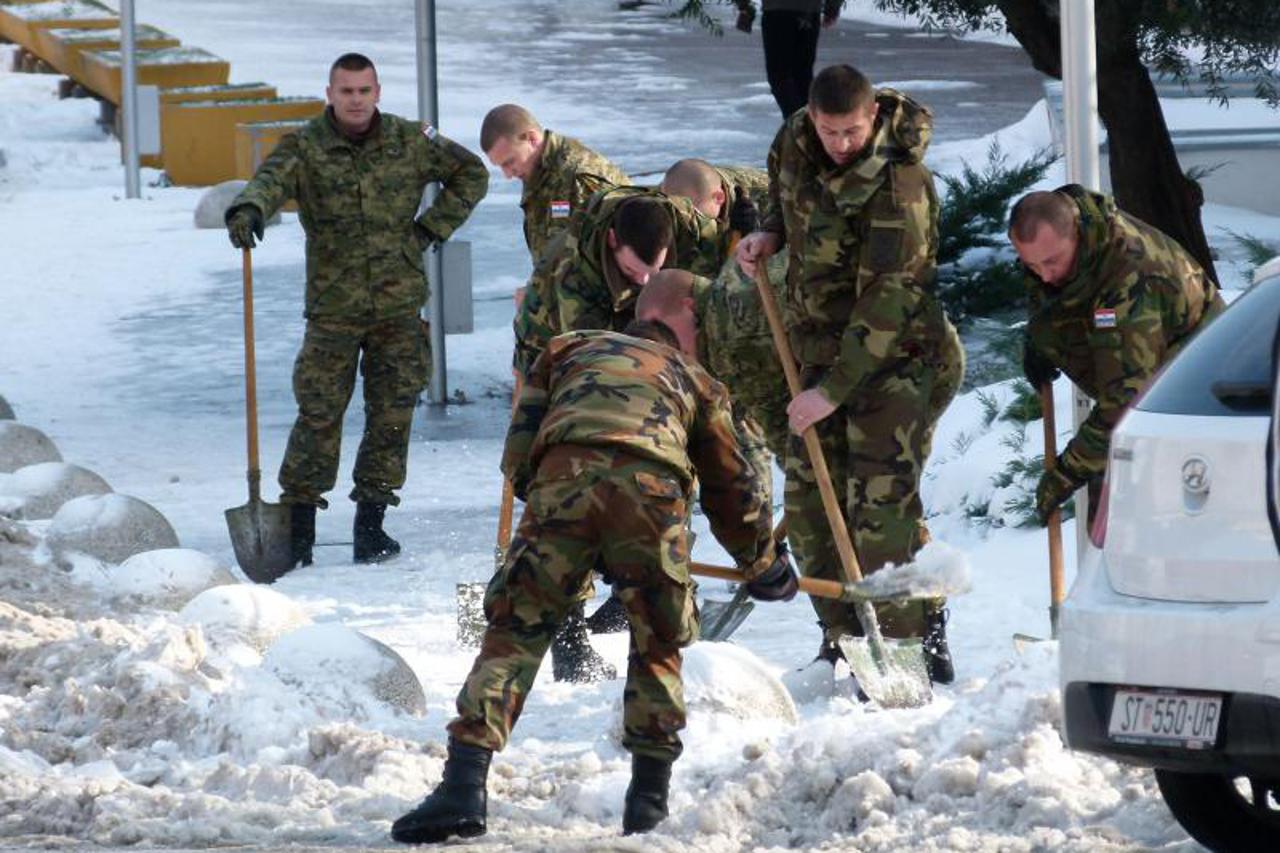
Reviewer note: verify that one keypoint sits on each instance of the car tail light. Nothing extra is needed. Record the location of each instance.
(1098, 529)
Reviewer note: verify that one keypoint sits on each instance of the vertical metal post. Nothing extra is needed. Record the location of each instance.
(129, 100)
(1080, 112)
(429, 112)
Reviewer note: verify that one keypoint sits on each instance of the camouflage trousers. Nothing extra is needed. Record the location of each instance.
(875, 447)
(394, 361)
(588, 505)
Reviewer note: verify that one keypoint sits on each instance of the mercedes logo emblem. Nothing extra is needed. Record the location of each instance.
(1195, 475)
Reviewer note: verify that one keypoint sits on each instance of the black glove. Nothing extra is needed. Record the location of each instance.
(244, 222)
(779, 581)
(746, 17)
(1038, 369)
(743, 216)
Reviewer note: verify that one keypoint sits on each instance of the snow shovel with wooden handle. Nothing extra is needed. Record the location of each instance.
(259, 530)
(719, 619)
(471, 620)
(891, 672)
(1057, 582)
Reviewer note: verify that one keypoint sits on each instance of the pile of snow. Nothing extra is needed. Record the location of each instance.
(39, 491)
(167, 577)
(22, 445)
(110, 528)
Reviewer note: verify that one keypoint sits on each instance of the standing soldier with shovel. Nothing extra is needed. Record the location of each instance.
(855, 206)
(358, 176)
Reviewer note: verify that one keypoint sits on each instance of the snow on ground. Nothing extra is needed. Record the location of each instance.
(127, 718)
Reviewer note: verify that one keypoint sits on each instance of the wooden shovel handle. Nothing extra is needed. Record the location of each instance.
(811, 586)
(1057, 584)
(507, 506)
(830, 503)
(250, 377)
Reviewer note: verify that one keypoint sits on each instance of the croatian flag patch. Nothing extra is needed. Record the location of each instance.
(429, 131)
(1104, 318)
(559, 209)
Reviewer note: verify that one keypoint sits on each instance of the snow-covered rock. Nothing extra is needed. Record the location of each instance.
(111, 528)
(333, 658)
(43, 488)
(22, 445)
(243, 614)
(6, 411)
(728, 679)
(211, 210)
(168, 577)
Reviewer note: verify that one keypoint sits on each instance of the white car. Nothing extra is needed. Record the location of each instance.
(1170, 637)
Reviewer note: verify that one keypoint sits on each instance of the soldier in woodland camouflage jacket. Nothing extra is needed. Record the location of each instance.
(589, 289)
(610, 432)
(358, 177)
(732, 195)
(1111, 299)
(856, 209)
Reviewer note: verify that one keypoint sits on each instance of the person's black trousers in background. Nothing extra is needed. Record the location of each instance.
(790, 49)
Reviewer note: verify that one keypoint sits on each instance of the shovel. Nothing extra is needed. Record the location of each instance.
(891, 673)
(471, 621)
(1057, 583)
(259, 531)
(721, 618)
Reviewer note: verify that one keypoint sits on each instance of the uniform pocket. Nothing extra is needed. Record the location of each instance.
(656, 486)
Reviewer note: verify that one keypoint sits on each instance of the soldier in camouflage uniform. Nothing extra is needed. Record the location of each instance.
(595, 273)
(358, 176)
(610, 432)
(559, 175)
(731, 194)
(855, 206)
(1111, 299)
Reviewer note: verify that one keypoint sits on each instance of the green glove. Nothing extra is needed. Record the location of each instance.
(426, 237)
(244, 222)
(1054, 489)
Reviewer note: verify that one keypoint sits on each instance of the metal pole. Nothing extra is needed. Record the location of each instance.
(429, 112)
(1080, 111)
(129, 100)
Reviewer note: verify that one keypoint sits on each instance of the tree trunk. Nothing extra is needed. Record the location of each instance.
(1146, 178)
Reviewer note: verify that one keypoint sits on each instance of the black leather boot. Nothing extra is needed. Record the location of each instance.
(646, 803)
(302, 532)
(372, 545)
(609, 617)
(458, 805)
(572, 658)
(937, 656)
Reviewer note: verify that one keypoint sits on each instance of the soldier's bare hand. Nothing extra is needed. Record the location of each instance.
(756, 248)
(807, 409)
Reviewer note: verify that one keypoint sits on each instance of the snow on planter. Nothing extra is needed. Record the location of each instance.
(243, 615)
(168, 577)
(43, 488)
(22, 445)
(111, 528)
(335, 663)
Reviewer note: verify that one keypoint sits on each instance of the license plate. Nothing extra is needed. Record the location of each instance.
(1165, 718)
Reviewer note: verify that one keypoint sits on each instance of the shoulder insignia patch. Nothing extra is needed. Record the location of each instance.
(1104, 318)
(559, 209)
(429, 131)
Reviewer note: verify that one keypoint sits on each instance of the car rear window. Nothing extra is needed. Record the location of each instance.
(1226, 369)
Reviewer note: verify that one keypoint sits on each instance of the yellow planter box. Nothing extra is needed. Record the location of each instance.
(62, 47)
(168, 68)
(19, 22)
(225, 92)
(198, 139)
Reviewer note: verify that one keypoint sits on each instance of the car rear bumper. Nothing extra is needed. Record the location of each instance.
(1248, 739)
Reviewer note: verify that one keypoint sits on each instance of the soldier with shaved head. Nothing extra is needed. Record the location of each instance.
(1111, 299)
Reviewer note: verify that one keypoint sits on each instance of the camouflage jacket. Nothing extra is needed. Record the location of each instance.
(862, 241)
(568, 174)
(1132, 301)
(605, 390)
(736, 347)
(357, 202)
(739, 182)
(590, 290)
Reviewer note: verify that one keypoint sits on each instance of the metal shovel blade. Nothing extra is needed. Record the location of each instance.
(260, 536)
(719, 619)
(896, 679)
